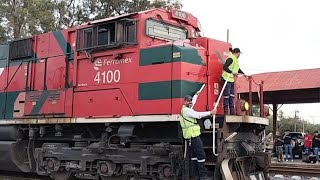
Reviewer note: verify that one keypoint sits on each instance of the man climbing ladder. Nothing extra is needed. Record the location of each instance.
(191, 133)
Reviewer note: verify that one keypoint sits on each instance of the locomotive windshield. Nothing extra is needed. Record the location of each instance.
(165, 31)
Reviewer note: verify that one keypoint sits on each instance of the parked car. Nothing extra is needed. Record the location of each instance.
(298, 143)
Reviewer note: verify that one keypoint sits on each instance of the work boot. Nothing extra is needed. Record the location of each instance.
(232, 112)
(195, 169)
(226, 110)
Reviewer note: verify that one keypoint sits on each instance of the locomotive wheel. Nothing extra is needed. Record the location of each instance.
(62, 175)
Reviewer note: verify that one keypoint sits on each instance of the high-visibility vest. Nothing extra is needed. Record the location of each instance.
(190, 127)
(234, 67)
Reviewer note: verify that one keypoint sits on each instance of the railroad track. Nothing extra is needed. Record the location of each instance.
(289, 169)
(20, 176)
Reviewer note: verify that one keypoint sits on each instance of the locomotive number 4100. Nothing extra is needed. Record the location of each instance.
(107, 76)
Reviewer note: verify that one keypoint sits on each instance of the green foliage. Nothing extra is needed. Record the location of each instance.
(24, 18)
(269, 129)
(291, 123)
(255, 110)
(3, 36)
(97, 9)
(295, 123)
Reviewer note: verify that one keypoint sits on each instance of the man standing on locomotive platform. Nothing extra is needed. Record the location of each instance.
(231, 68)
(191, 131)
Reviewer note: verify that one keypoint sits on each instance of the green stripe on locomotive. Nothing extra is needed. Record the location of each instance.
(170, 53)
(162, 90)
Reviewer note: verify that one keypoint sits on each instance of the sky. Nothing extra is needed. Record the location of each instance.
(274, 35)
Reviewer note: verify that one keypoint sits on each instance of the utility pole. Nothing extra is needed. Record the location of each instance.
(227, 35)
(296, 118)
(295, 114)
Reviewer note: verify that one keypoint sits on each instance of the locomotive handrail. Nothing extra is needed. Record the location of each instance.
(259, 87)
(214, 117)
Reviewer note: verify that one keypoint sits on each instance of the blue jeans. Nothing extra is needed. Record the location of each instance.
(316, 153)
(288, 149)
(307, 150)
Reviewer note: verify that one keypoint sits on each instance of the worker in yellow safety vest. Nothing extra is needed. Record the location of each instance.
(191, 131)
(231, 68)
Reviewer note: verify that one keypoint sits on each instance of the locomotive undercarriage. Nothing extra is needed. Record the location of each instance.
(128, 151)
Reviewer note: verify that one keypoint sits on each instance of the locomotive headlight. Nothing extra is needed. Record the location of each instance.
(207, 124)
(244, 105)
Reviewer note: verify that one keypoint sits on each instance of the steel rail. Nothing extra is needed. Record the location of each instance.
(287, 169)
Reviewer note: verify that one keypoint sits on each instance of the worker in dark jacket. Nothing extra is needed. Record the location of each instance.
(287, 145)
(278, 144)
(231, 68)
(316, 145)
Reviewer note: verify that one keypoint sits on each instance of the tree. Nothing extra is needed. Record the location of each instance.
(295, 123)
(71, 12)
(24, 18)
(255, 110)
(105, 8)
(3, 37)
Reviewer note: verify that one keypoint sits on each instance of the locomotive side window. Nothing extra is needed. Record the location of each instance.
(20, 49)
(130, 32)
(87, 38)
(165, 31)
(107, 35)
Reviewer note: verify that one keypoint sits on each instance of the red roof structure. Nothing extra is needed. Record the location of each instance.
(287, 87)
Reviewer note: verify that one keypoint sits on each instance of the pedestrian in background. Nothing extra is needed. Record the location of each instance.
(307, 145)
(316, 145)
(287, 145)
(279, 147)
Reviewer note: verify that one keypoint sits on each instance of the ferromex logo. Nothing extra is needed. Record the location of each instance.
(105, 62)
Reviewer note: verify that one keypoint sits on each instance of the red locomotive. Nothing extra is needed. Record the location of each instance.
(103, 99)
